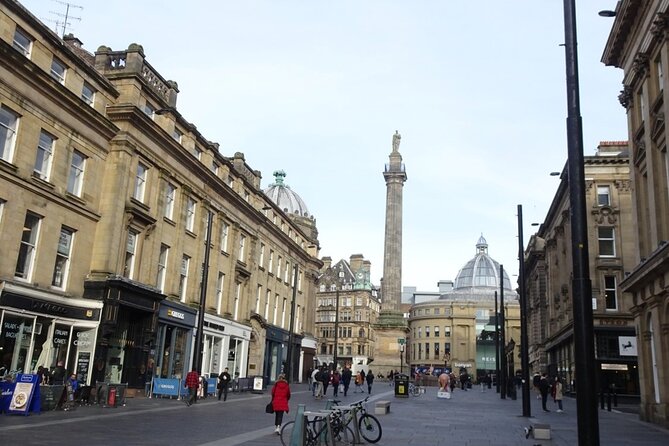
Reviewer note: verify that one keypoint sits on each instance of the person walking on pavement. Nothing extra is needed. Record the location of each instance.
(192, 383)
(557, 393)
(544, 387)
(223, 384)
(280, 397)
(370, 381)
(536, 379)
(314, 381)
(336, 378)
(346, 378)
(325, 379)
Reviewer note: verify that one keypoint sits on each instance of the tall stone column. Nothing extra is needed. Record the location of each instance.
(391, 325)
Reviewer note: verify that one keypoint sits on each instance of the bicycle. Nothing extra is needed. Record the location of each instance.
(316, 431)
(414, 390)
(368, 425)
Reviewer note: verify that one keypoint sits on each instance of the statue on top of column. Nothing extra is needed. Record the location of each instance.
(396, 141)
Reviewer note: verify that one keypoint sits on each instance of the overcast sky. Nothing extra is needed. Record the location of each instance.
(317, 88)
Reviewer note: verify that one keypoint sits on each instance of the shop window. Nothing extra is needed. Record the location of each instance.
(15, 343)
(63, 254)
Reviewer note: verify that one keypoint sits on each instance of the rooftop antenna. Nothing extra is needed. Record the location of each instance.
(65, 17)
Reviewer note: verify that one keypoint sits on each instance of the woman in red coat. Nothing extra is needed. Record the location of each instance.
(280, 397)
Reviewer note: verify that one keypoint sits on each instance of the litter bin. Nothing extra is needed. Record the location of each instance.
(401, 386)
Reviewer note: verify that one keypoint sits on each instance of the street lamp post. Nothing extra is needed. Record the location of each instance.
(584, 349)
(524, 348)
(291, 335)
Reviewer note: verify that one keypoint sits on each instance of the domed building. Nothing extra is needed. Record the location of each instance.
(292, 204)
(456, 330)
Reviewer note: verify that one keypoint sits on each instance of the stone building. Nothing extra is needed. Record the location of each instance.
(453, 332)
(347, 307)
(548, 266)
(638, 44)
(125, 203)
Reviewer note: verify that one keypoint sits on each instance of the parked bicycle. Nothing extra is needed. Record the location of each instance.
(368, 425)
(415, 390)
(316, 431)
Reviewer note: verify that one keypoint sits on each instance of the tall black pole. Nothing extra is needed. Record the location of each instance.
(524, 347)
(197, 356)
(291, 335)
(502, 334)
(497, 376)
(584, 348)
(336, 327)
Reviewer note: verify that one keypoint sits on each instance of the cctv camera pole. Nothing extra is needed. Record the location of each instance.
(584, 345)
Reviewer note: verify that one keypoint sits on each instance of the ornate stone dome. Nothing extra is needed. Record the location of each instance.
(288, 200)
(481, 273)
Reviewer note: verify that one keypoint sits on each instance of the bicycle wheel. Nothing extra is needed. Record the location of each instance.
(345, 436)
(287, 433)
(415, 391)
(370, 428)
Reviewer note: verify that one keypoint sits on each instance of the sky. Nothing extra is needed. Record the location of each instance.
(317, 88)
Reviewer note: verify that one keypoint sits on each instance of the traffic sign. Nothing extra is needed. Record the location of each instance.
(401, 341)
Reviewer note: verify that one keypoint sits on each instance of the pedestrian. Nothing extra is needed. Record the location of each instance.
(325, 379)
(346, 375)
(536, 379)
(544, 388)
(464, 377)
(557, 393)
(223, 384)
(205, 387)
(358, 383)
(314, 381)
(336, 378)
(280, 397)
(370, 381)
(452, 381)
(59, 374)
(71, 386)
(318, 389)
(192, 383)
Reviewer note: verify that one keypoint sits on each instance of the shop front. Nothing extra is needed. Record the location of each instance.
(276, 354)
(171, 356)
(618, 370)
(38, 328)
(226, 344)
(127, 333)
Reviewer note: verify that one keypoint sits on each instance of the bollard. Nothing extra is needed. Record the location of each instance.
(297, 437)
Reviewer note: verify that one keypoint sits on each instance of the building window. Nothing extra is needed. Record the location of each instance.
(75, 180)
(271, 261)
(88, 93)
(436, 350)
(436, 331)
(8, 124)
(58, 70)
(427, 350)
(258, 294)
(261, 262)
(299, 282)
(63, 254)
(130, 253)
(225, 232)
(427, 332)
(198, 153)
(242, 248)
(283, 313)
(26, 259)
(447, 331)
(603, 196)
(276, 308)
(44, 155)
(610, 292)
(607, 241)
(278, 267)
(177, 135)
(420, 332)
(268, 296)
(238, 292)
(660, 75)
(149, 110)
(286, 271)
(140, 182)
(215, 167)
(170, 194)
(190, 214)
(219, 292)
(447, 347)
(183, 277)
(162, 267)
(22, 42)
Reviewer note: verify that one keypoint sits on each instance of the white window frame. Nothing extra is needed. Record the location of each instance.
(9, 124)
(279, 262)
(660, 75)
(25, 46)
(242, 248)
(220, 282)
(603, 195)
(149, 110)
(238, 293)
(258, 295)
(271, 261)
(198, 153)
(268, 296)
(603, 239)
(177, 135)
(283, 313)
(28, 246)
(436, 331)
(58, 70)
(130, 254)
(44, 155)
(75, 179)
(190, 214)
(225, 235)
(447, 332)
(261, 261)
(183, 277)
(163, 258)
(141, 176)
(608, 290)
(61, 268)
(170, 197)
(286, 271)
(88, 94)
(276, 308)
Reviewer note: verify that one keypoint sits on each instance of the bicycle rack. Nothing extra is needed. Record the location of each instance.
(354, 420)
(325, 435)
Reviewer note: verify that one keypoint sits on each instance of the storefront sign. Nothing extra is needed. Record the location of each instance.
(61, 336)
(84, 339)
(48, 308)
(466, 365)
(614, 367)
(83, 364)
(613, 322)
(176, 314)
(24, 398)
(627, 345)
(169, 387)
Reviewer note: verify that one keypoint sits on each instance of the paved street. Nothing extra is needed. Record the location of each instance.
(470, 418)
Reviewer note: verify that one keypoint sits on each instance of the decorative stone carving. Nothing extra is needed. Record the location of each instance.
(660, 25)
(623, 185)
(605, 214)
(625, 97)
(641, 65)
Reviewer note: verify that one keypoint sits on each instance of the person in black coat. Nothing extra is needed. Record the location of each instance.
(370, 381)
(325, 379)
(346, 375)
(223, 384)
